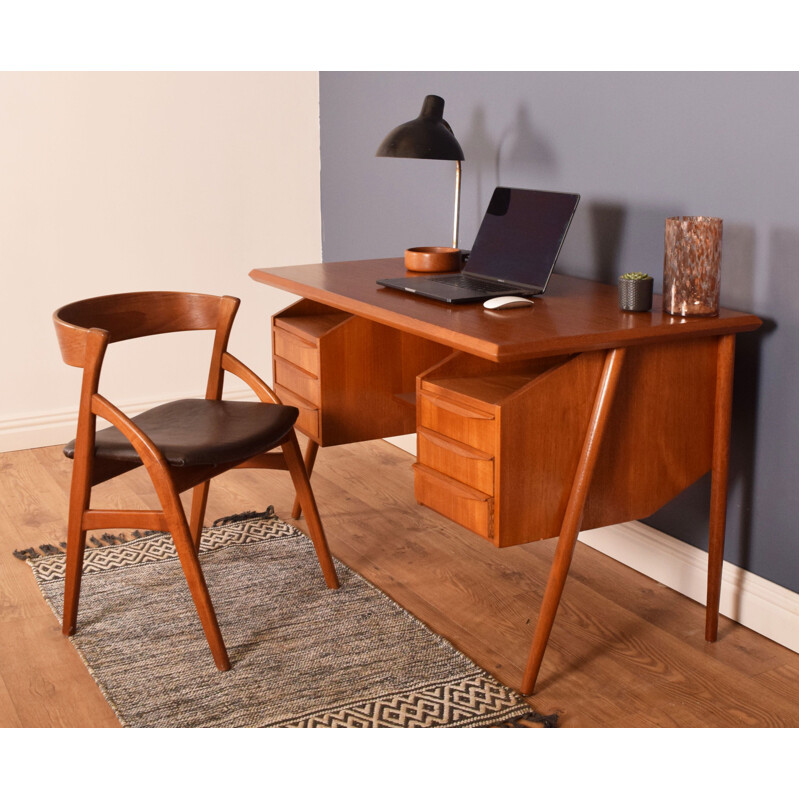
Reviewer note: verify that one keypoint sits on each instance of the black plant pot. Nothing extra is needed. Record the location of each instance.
(635, 294)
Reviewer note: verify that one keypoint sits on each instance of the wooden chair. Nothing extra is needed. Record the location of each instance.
(182, 444)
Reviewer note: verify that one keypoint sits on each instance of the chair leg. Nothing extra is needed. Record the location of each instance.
(76, 544)
(311, 456)
(199, 501)
(79, 495)
(297, 469)
(187, 554)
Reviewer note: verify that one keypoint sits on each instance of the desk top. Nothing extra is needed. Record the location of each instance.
(574, 315)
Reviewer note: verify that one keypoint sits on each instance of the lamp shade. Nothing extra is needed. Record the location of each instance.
(427, 136)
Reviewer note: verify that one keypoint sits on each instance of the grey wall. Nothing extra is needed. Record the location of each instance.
(638, 147)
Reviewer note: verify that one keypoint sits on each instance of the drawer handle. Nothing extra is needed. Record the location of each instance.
(451, 485)
(459, 449)
(456, 409)
(301, 342)
(293, 399)
(291, 366)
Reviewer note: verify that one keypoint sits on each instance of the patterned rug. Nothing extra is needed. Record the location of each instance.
(302, 656)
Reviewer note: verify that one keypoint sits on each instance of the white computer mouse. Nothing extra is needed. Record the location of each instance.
(496, 303)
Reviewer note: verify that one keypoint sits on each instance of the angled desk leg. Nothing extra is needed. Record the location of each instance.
(572, 516)
(719, 480)
(311, 456)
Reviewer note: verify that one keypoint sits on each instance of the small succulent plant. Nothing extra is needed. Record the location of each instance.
(635, 291)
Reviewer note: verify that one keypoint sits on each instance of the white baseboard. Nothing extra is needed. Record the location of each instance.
(58, 427)
(754, 602)
(750, 600)
(407, 442)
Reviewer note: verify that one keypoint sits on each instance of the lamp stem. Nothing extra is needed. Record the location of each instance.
(458, 203)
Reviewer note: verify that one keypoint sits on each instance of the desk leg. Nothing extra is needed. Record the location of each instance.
(719, 481)
(570, 525)
(311, 457)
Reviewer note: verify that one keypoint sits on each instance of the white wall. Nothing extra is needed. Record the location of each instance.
(115, 182)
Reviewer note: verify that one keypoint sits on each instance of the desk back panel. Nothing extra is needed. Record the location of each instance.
(659, 436)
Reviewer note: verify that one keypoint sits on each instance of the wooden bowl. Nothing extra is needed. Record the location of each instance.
(433, 259)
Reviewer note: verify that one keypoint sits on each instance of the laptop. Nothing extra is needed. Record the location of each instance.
(514, 252)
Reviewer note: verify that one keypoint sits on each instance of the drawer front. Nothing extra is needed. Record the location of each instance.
(298, 381)
(296, 350)
(308, 418)
(468, 507)
(468, 425)
(456, 460)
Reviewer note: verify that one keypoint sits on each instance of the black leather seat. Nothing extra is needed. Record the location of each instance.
(191, 433)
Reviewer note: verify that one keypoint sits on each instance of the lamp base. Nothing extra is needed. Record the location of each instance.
(433, 259)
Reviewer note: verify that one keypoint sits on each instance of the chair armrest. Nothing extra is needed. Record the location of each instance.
(141, 442)
(235, 367)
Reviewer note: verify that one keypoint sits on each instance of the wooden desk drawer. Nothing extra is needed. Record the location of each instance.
(456, 460)
(308, 418)
(462, 504)
(468, 425)
(298, 351)
(297, 380)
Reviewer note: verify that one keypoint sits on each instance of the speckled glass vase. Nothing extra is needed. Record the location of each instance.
(692, 258)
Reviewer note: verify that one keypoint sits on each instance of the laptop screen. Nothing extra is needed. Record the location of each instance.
(521, 235)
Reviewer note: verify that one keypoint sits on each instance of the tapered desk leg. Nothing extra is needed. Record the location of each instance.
(311, 456)
(719, 481)
(570, 525)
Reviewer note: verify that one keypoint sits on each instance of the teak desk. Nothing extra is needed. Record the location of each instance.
(531, 422)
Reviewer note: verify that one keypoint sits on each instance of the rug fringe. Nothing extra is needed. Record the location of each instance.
(106, 539)
(27, 553)
(532, 720)
(269, 512)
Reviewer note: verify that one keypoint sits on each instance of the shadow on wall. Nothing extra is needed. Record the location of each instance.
(607, 239)
(480, 150)
(743, 442)
(752, 351)
(738, 291)
(607, 221)
(520, 149)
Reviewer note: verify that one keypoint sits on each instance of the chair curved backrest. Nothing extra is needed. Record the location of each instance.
(136, 314)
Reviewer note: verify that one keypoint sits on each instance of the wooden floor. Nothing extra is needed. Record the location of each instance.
(625, 651)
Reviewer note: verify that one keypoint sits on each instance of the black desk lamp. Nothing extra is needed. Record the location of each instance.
(428, 136)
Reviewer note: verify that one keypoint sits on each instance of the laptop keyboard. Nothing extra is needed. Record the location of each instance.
(466, 282)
